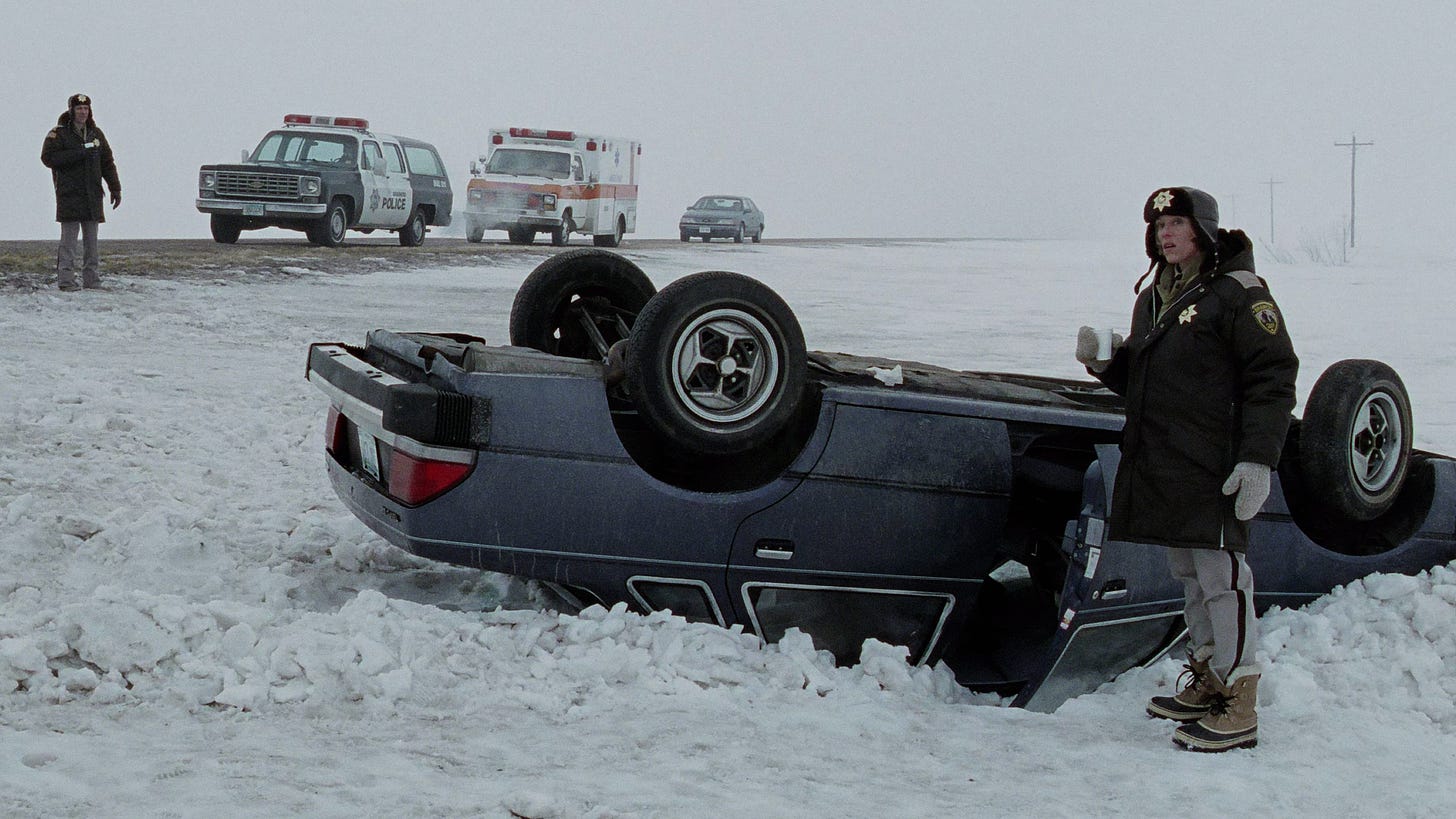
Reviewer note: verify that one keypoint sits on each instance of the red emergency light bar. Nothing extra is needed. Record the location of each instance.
(315, 119)
(534, 133)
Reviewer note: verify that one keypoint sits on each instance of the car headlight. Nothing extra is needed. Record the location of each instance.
(207, 181)
(311, 186)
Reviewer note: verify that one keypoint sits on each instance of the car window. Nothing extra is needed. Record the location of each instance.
(719, 203)
(318, 149)
(423, 161)
(520, 162)
(394, 158)
(371, 150)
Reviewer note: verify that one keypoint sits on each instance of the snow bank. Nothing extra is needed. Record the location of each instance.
(130, 646)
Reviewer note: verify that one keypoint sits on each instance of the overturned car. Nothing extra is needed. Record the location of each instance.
(681, 449)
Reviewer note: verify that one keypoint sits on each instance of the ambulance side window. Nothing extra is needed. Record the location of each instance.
(576, 170)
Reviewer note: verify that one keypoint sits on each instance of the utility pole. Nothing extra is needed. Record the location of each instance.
(1271, 183)
(1352, 145)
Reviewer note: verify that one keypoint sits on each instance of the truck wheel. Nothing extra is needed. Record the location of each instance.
(716, 363)
(413, 232)
(578, 303)
(614, 238)
(1355, 439)
(473, 235)
(226, 229)
(562, 234)
(738, 236)
(335, 225)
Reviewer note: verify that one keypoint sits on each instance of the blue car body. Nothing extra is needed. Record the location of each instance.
(958, 514)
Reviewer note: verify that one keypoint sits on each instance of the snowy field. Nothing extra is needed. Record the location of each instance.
(192, 625)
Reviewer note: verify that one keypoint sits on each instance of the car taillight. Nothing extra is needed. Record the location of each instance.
(415, 480)
(334, 432)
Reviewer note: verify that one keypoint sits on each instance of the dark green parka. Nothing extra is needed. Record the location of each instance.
(77, 171)
(1209, 384)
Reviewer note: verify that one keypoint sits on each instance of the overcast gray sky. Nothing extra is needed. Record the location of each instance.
(979, 119)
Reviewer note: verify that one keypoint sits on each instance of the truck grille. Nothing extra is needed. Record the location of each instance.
(257, 185)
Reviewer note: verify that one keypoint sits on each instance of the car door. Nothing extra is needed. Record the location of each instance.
(889, 535)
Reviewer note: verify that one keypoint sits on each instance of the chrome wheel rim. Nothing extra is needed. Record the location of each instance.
(724, 366)
(1376, 441)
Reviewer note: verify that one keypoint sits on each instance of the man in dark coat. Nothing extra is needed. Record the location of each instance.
(1208, 371)
(79, 157)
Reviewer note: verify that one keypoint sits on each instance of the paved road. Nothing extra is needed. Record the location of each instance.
(30, 264)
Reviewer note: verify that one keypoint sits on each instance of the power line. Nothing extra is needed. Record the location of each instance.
(1352, 145)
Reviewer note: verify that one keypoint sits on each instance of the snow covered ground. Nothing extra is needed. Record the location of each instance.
(191, 624)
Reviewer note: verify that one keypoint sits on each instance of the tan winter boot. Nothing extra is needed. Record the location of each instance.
(1233, 719)
(1193, 700)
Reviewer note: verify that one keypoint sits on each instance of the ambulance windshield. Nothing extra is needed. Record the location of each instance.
(524, 162)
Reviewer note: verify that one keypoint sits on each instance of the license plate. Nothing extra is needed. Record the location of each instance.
(253, 210)
(705, 230)
(368, 453)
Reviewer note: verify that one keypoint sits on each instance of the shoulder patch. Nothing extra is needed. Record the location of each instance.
(52, 134)
(1267, 315)
(1246, 278)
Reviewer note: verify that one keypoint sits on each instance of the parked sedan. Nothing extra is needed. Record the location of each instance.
(680, 449)
(722, 217)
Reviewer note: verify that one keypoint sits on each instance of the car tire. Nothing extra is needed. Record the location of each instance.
(226, 229)
(1355, 438)
(335, 224)
(758, 235)
(574, 289)
(683, 237)
(738, 235)
(716, 363)
(413, 232)
(474, 235)
(614, 238)
(562, 234)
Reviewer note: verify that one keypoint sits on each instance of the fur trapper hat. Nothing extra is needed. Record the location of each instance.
(1191, 202)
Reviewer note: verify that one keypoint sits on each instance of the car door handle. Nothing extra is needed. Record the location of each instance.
(774, 549)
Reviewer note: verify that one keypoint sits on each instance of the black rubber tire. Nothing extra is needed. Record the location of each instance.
(474, 235)
(520, 236)
(683, 237)
(413, 232)
(561, 236)
(584, 284)
(226, 229)
(731, 325)
(335, 224)
(1355, 438)
(738, 236)
(613, 239)
(758, 235)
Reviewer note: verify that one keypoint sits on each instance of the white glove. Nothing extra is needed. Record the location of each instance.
(1087, 349)
(1251, 482)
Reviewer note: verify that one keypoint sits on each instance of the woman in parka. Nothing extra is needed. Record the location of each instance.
(80, 157)
(1208, 372)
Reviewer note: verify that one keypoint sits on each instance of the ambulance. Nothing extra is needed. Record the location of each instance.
(556, 182)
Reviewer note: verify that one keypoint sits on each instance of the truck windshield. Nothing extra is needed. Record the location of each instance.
(313, 149)
(519, 162)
